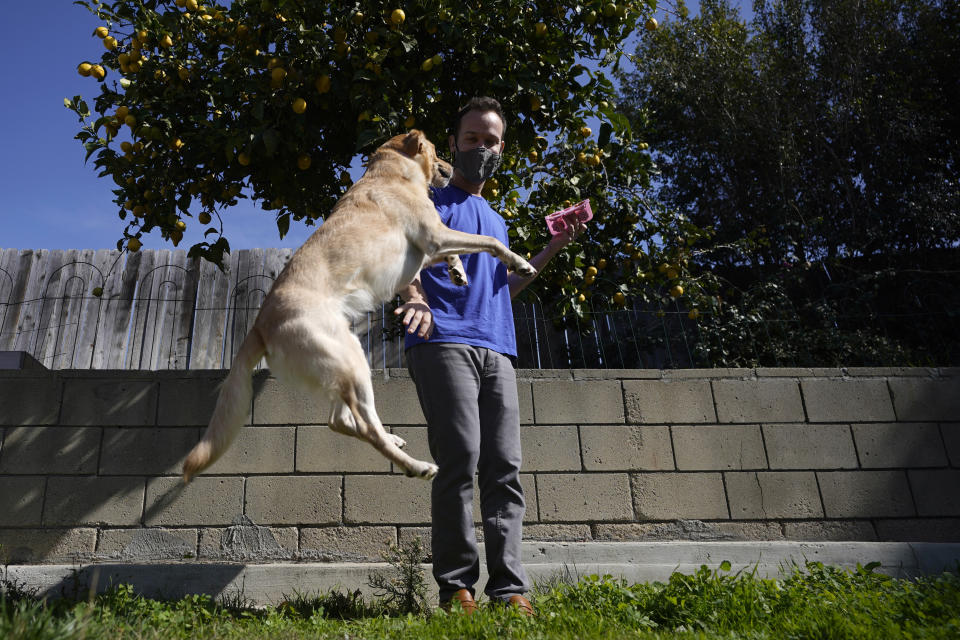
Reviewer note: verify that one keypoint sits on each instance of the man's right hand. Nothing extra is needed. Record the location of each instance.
(417, 317)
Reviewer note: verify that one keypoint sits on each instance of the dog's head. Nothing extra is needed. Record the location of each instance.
(414, 145)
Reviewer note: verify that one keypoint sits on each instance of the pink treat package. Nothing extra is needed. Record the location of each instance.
(558, 221)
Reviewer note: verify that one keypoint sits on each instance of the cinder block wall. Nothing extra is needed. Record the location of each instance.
(89, 463)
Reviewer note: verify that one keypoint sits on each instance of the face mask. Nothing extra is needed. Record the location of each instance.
(476, 165)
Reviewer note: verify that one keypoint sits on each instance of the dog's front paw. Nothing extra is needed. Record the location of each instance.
(524, 268)
(458, 277)
(397, 440)
(422, 469)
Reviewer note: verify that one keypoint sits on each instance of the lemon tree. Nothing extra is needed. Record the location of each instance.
(202, 104)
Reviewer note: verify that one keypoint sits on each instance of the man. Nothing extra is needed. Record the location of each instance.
(460, 347)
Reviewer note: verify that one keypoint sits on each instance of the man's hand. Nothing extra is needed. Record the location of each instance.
(417, 317)
(565, 237)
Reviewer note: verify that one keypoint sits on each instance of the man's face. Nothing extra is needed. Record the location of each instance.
(479, 129)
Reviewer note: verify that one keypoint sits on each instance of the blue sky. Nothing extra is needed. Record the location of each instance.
(51, 200)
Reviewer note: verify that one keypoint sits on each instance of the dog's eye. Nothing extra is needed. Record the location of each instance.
(443, 171)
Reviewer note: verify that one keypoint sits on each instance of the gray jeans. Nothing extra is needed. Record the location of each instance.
(469, 397)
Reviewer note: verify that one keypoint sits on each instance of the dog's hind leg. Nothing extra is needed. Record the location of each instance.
(342, 421)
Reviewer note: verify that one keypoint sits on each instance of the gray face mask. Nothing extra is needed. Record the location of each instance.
(476, 165)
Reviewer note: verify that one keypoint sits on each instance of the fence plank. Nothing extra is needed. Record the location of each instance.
(171, 295)
(30, 314)
(140, 333)
(101, 262)
(186, 312)
(10, 274)
(114, 325)
(76, 293)
(243, 299)
(212, 289)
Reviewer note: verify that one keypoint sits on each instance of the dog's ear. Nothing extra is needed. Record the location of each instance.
(413, 143)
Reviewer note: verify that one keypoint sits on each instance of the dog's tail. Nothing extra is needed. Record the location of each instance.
(233, 406)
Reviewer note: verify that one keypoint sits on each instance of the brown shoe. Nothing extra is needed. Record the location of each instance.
(523, 604)
(468, 605)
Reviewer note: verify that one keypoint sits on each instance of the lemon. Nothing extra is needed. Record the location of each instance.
(130, 120)
(101, 32)
(84, 69)
(243, 158)
(602, 263)
(585, 132)
(437, 60)
(693, 314)
(651, 24)
(278, 74)
(427, 64)
(180, 225)
(133, 245)
(98, 72)
(299, 105)
(533, 156)
(98, 291)
(409, 122)
(591, 271)
(609, 9)
(672, 273)
(323, 84)
(191, 5)
(166, 42)
(126, 146)
(177, 144)
(676, 291)
(619, 298)
(540, 29)
(303, 162)
(398, 16)
(535, 103)
(184, 73)
(357, 17)
(204, 217)
(582, 298)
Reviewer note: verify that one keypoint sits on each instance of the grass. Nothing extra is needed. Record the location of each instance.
(815, 601)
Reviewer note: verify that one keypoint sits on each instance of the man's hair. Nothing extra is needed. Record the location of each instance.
(479, 103)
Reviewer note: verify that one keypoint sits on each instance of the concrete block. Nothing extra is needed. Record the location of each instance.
(147, 544)
(109, 402)
(798, 372)
(306, 500)
(847, 400)
(764, 400)
(584, 497)
(936, 491)
(919, 529)
(205, 501)
(30, 400)
(555, 448)
(668, 402)
(689, 530)
(571, 402)
(557, 532)
(951, 438)
(915, 444)
(773, 495)
(832, 530)
(926, 399)
(718, 447)
(672, 496)
(189, 401)
(544, 374)
(21, 546)
(617, 374)
(890, 372)
(50, 450)
(245, 541)
(277, 403)
(406, 535)
(865, 494)
(320, 450)
(259, 450)
(146, 450)
(626, 448)
(707, 374)
(346, 543)
(80, 500)
(21, 501)
(397, 402)
(525, 401)
(417, 445)
(809, 446)
(388, 499)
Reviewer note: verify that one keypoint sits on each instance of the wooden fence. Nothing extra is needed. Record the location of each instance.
(161, 310)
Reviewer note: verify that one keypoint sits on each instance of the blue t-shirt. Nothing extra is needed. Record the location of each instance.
(479, 314)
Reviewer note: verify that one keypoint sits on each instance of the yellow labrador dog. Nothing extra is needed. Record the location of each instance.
(382, 232)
